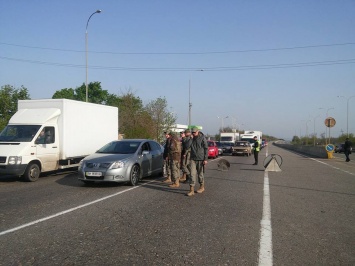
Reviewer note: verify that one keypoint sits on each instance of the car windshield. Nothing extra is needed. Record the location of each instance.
(210, 144)
(227, 144)
(120, 147)
(19, 133)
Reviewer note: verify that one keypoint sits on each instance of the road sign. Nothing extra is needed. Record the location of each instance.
(329, 122)
(330, 148)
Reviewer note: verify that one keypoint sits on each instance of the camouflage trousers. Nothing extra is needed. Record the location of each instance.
(175, 170)
(166, 168)
(185, 164)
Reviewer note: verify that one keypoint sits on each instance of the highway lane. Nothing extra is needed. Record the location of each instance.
(312, 218)
(312, 203)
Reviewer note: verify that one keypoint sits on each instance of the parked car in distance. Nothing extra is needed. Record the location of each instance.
(242, 148)
(263, 143)
(212, 149)
(127, 160)
(227, 147)
(339, 148)
(220, 147)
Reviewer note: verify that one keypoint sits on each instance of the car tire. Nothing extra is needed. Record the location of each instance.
(135, 175)
(32, 172)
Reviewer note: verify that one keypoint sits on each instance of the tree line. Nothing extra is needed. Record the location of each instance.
(136, 119)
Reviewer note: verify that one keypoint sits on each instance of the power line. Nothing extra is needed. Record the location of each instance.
(218, 68)
(184, 53)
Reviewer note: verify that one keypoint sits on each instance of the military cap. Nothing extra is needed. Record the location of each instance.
(194, 129)
(187, 131)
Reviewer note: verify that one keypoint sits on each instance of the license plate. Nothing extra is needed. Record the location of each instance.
(93, 174)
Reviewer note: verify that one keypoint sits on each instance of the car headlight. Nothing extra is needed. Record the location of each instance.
(15, 159)
(116, 165)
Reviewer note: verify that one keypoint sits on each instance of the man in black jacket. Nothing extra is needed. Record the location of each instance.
(347, 149)
(198, 156)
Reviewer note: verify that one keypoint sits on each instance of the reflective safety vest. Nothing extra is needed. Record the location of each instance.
(257, 148)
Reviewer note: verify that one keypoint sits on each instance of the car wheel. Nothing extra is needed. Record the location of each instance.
(134, 176)
(32, 172)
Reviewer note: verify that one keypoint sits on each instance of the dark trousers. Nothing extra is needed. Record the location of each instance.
(256, 156)
(346, 152)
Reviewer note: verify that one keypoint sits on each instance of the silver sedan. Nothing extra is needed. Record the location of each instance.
(127, 160)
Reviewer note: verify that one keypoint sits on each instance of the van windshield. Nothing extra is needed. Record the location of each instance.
(226, 139)
(19, 133)
(251, 140)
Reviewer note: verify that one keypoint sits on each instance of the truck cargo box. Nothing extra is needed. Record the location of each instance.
(82, 127)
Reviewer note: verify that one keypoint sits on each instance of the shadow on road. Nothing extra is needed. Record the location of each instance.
(10, 179)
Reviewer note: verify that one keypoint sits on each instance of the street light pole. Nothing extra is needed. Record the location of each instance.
(222, 122)
(314, 130)
(190, 104)
(86, 51)
(307, 131)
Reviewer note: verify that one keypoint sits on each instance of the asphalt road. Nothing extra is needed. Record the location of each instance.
(303, 215)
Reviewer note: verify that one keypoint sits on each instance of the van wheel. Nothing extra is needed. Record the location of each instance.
(135, 175)
(32, 172)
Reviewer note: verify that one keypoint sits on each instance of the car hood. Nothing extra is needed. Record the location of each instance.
(103, 157)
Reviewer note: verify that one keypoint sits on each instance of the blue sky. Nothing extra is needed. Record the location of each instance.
(267, 65)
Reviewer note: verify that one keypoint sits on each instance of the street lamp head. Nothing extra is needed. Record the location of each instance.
(98, 11)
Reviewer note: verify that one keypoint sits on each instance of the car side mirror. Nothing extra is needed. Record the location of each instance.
(145, 152)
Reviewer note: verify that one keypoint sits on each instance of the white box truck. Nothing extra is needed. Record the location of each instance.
(51, 134)
(229, 137)
(249, 136)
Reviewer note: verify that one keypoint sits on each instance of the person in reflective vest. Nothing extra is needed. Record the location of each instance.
(256, 150)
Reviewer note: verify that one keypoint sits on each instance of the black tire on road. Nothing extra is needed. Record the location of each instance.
(135, 175)
(32, 172)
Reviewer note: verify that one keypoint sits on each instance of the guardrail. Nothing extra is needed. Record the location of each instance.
(317, 151)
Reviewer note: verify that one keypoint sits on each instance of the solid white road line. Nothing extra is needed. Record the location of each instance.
(67, 211)
(265, 243)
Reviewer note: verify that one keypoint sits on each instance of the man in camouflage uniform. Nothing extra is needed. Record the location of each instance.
(185, 155)
(174, 158)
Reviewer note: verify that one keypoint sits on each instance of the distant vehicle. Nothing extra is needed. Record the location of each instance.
(242, 148)
(264, 143)
(229, 137)
(127, 160)
(227, 148)
(249, 136)
(220, 147)
(212, 149)
(339, 148)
